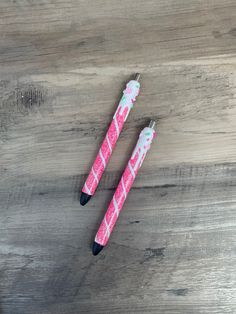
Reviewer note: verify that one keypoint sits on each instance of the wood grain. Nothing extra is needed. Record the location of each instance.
(63, 65)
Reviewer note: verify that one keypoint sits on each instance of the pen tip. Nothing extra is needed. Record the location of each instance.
(97, 248)
(84, 198)
(152, 124)
(137, 77)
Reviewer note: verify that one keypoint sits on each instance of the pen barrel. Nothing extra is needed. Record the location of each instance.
(124, 186)
(112, 135)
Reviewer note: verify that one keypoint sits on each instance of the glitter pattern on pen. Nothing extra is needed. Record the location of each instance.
(127, 179)
(109, 142)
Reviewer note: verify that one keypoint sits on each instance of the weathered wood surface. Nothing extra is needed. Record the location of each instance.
(63, 65)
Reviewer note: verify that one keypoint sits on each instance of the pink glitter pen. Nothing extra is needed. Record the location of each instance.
(127, 179)
(109, 142)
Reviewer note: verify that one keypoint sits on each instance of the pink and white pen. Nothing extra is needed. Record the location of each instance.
(127, 179)
(109, 142)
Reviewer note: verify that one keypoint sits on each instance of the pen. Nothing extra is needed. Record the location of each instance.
(127, 179)
(109, 142)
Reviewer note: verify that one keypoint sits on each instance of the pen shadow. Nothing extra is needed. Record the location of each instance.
(1, 304)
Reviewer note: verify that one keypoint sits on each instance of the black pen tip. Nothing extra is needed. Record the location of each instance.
(84, 198)
(97, 248)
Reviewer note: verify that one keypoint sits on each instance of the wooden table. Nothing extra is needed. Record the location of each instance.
(63, 65)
